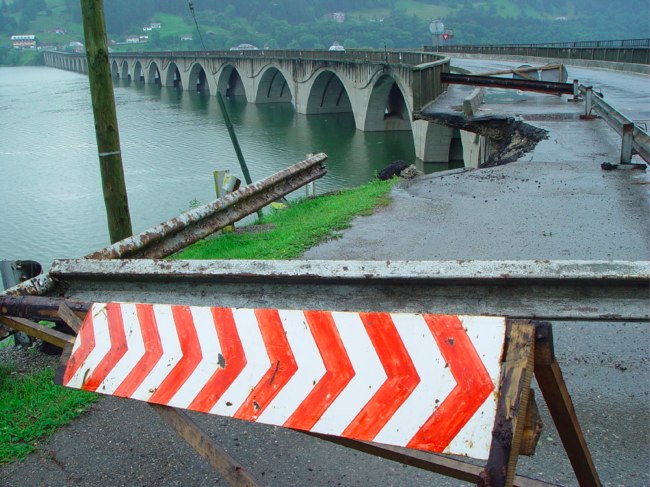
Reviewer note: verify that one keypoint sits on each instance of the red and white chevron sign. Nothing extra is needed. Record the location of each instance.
(417, 380)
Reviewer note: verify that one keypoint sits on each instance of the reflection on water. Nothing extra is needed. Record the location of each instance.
(51, 199)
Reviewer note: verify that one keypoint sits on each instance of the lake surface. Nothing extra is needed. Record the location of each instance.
(51, 201)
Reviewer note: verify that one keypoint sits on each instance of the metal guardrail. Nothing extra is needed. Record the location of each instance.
(633, 51)
(633, 138)
(546, 290)
(177, 233)
(607, 43)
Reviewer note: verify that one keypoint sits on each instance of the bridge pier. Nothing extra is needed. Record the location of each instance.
(432, 141)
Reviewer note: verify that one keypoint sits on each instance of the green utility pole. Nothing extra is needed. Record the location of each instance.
(233, 139)
(235, 143)
(108, 137)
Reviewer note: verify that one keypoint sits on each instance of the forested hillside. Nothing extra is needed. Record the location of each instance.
(309, 24)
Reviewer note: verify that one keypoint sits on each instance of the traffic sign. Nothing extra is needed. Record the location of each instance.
(437, 27)
(422, 381)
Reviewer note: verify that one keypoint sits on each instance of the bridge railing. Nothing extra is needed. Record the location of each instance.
(634, 51)
(633, 137)
(406, 57)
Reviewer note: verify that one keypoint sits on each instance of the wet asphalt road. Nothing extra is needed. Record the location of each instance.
(555, 203)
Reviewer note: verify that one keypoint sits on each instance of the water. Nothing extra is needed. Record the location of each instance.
(51, 203)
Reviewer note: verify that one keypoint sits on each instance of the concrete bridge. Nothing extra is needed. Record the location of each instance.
(384, 90)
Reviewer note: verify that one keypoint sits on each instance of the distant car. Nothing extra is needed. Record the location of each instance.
(336, 47)
(244, 47)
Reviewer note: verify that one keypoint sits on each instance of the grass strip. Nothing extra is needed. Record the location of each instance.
(32, 408)
(300, 226)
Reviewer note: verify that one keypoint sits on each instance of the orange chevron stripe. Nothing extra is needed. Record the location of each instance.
(152, 352)
(234, 361)
(402, 378)
(87, 337)
(191, 350)
(473, 385)
(115, 353)
(283, 366)
(339, 371)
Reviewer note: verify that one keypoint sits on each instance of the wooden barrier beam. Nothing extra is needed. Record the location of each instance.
(229, 468)
(556, 395)
(35, 330)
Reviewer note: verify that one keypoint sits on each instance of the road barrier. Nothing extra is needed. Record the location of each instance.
(346, 351)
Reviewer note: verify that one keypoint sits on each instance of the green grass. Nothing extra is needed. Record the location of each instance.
(32, 407)
(297, 228)
(173, 25)
(424, 10)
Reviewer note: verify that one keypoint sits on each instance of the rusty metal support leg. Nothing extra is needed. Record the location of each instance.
(553, 388)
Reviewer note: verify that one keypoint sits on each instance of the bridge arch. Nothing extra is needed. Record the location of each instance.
(124, 72)
(153, 75)
(115, 71)
(138, 72)
(381, 90)
(172, 76)
(230, 82)
(387, 108)
(273, 86)
(328, 94)
(198, 78)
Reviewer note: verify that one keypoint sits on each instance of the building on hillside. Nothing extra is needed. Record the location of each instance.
(23, 41)
(132, 39)
(187, 38)
(155, 25)
(338, 16)
(76, 46)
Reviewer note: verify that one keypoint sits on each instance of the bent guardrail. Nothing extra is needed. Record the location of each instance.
(177, 233)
